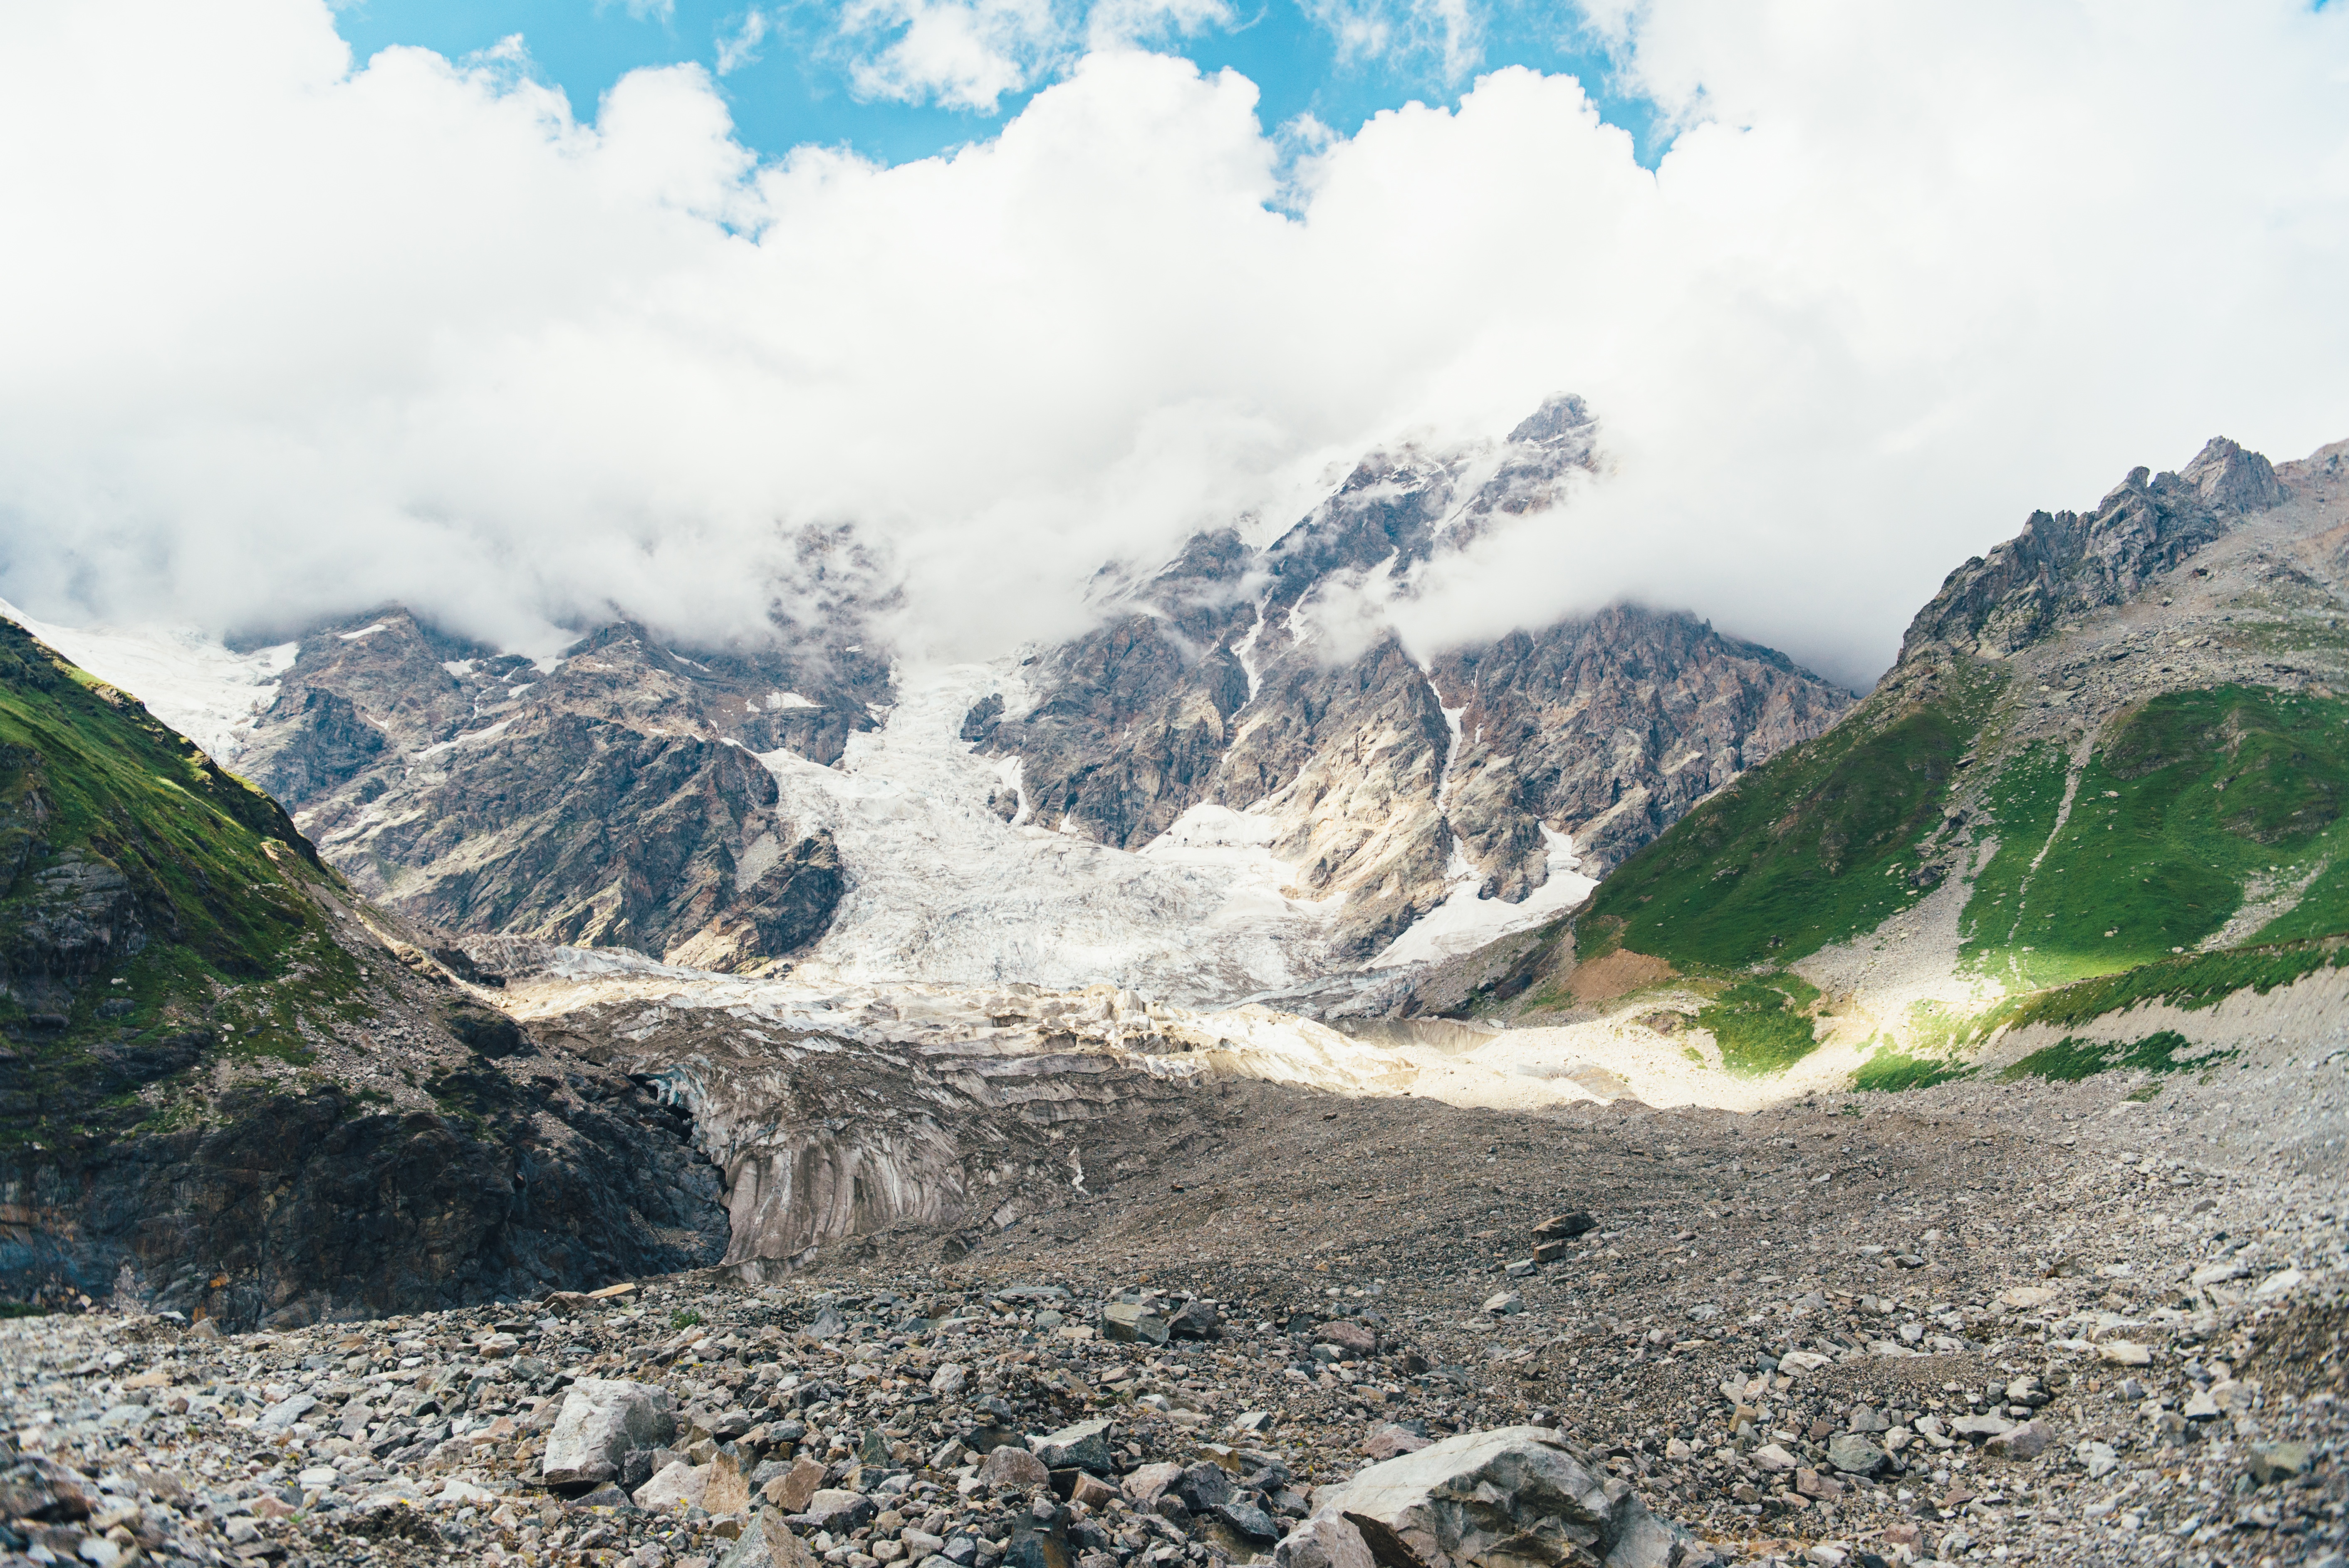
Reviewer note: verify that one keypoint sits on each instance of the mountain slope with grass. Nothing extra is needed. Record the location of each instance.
(229, 1088)
(2109, 766)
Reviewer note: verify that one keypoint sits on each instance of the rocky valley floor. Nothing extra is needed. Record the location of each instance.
(2086, 1323)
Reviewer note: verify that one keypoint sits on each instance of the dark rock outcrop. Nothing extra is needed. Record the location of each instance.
(2065, 564)
(611, 799)
(225, 1088)
(296, 1207)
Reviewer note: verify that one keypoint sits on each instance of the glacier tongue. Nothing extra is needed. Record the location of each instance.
(186, 678)
(942, 889)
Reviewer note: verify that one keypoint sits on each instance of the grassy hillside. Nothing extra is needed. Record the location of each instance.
(145, 893)
(1815, 846)
(2187, 803)
(2208, 816)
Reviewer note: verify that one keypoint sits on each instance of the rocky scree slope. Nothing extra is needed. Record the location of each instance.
(2115, 742)
(230, 1088)
(1259, 680)
(836, 1115)
(612, 798)
(2036, 1318)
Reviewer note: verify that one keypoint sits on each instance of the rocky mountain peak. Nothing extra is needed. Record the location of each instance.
(1394, 785)
(1395, 506)
(2065, 564)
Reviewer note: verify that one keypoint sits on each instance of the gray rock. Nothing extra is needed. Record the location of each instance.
(1856, 1455)
(1505, 1497)
(1132, 1324)
(281, 1416)
(2273, 1463)
(767, 1542)
(1203, 1487)
(1502, 1303)
(1980, 1428)
(1014, 1466)
(1194, 1320)
(1146, 1483)
(1084, 1446)
(677, 1483)
(603, 1421)
(838, 1510)
(2026, 1442)
(1323, 1542)
(1248, 1520)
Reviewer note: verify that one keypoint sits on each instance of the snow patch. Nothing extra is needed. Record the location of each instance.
(943, 890)
(1464, 923)
(363, 631)
(470, 737)
(186, 678)
(461, 668)
(778, 701)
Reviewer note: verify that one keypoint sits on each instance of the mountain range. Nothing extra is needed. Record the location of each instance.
(500, 971)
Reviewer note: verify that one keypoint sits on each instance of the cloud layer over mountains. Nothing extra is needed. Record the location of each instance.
(288, 335)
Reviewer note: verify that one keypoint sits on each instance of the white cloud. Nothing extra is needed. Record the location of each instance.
(741, 47)
(964, 54)
(1452, 31)
(287, 336)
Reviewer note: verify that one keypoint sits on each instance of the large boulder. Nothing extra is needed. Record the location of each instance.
(1516, 1497)
(603, 1421)
(767, 1542)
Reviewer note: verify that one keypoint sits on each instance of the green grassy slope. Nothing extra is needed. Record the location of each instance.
(2185, 803)
(1814, 846)
(2105, 873)
(144, 891)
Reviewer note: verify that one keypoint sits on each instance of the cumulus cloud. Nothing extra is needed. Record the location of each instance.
(288, 336)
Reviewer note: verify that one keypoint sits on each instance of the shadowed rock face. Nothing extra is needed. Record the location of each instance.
(223, 1089)
(1240, 678)
(294, 1208)
(612, 800)
(2064, 564)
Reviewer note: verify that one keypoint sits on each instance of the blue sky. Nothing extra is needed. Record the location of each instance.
(790, 70)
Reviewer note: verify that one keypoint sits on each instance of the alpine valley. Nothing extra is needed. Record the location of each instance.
(1767, 1060)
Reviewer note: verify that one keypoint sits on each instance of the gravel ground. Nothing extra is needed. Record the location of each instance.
(1990, 1321)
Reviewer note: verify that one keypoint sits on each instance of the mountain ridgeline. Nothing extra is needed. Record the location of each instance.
(2116, 745)
(1226, 680)
(625, 795)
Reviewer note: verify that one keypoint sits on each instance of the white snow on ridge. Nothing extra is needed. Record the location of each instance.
(943, 890)
(1464, 923)
(184, 676)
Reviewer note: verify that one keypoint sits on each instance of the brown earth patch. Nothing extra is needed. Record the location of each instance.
(1617, 974)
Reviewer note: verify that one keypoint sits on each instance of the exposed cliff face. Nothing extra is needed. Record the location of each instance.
(1609, 728)
(2064, 564)
(224, 1088)
(1244, 679)
(612, 798)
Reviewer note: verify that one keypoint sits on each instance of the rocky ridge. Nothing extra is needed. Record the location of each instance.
(1262, 682)
(227, 1086)
(2018, 723)
(611, 798)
